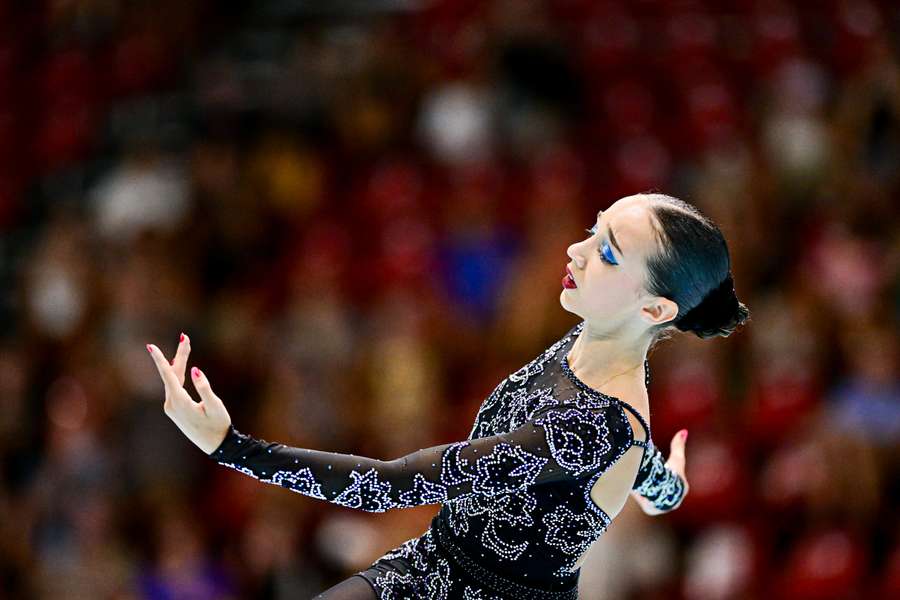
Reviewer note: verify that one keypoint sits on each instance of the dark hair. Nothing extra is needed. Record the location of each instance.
(693, 269)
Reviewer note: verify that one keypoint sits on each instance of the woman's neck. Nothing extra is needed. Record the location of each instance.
(599, 359)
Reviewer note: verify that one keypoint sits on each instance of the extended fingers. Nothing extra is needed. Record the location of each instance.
(204, 389)
(179, 363)
(676, 450)
(201, 384)
(170, 379)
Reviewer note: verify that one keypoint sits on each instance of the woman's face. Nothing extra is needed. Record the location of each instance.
(608, 265)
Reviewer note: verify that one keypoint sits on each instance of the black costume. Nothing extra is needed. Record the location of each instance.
(516, 512)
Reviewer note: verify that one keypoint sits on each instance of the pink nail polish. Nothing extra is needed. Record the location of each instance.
(684, 434)
(195, 372)
(182, 338)
(149, 349)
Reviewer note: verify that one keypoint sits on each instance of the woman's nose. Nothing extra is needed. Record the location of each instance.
(572, 251)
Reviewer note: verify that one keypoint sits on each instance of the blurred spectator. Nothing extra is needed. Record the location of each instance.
(146, 191)
(866, 404)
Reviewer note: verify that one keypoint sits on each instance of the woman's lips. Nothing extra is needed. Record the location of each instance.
(568, 281)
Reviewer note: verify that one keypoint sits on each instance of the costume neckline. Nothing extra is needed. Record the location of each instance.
(567, 369)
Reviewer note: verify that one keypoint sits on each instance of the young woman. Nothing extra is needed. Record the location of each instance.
(551, 458)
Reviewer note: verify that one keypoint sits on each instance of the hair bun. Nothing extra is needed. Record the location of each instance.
(719, 313)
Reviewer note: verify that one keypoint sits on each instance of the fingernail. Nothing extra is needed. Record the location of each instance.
(195, 372)
(182, 337)
(149, 349)
(684, 434)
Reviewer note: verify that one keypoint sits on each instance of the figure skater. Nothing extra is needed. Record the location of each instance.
(551, 457)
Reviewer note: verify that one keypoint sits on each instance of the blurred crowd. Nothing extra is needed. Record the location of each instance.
(359, 213)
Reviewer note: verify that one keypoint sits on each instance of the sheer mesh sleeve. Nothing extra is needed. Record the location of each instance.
(657, 482)
(561, 443)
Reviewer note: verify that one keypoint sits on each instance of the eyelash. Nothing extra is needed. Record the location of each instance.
(592, 231)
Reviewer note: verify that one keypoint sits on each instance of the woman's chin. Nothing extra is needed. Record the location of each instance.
(566, 303)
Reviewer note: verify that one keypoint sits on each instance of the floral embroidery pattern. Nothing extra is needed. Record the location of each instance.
(393, 585)
(301, 481)
(366, 493)
(578, 440)
(658, 483)
(422, 492)
(506, 469)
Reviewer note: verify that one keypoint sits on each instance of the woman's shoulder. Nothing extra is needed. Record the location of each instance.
(585, 438)
(634, 404)
(586, 422)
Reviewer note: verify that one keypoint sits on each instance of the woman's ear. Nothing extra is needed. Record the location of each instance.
(659, 311)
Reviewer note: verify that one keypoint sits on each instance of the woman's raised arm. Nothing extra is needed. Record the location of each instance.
(563, 442)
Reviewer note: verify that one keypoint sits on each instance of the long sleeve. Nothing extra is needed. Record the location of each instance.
(561, 443)
(657, 482)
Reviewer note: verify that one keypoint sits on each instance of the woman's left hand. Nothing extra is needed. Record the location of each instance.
(205, 423)
(675, 463)
(676, 460)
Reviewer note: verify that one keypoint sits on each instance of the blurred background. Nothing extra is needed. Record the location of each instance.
(359, 211)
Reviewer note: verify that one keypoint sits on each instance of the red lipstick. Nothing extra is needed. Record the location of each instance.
(568, 281)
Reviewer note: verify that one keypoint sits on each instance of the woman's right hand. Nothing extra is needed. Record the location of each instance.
(205, 423)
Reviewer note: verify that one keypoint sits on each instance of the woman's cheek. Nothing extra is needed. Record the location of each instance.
(607, 296)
